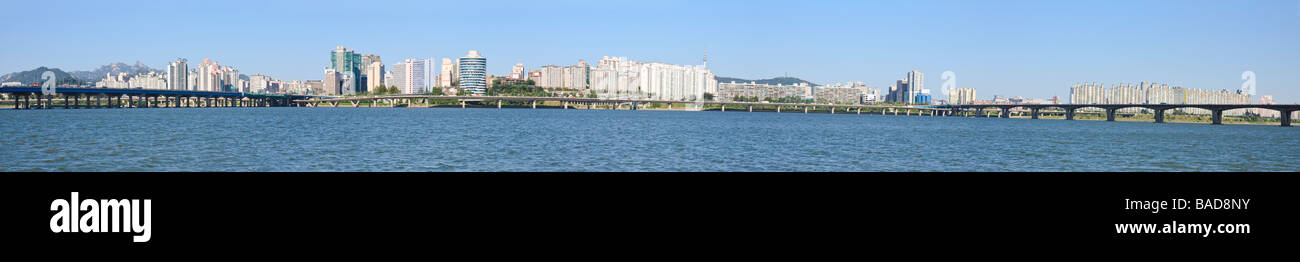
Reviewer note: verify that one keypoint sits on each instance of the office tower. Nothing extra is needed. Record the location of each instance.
(898, 92)
(413, 76)
(473, 73)
(915, 84)
(348, 64)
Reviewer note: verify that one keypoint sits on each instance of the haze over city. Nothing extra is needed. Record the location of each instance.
(1009, 48)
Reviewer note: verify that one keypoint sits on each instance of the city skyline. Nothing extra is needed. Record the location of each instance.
(1039, 53)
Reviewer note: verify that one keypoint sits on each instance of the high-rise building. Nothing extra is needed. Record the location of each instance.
(961, 96)
(728, 92)
(551, 76)
(375, 75)
(906, 89)
(448, 74)
(1266, 100)
(618, 77)
(517, 72)
(210, 76)
(915, 84)
(1153, 93)
(333, 85)
(413, 76)
(401, 75)
(473, 73)
(577, 77)
(348, 64)
(259, 83)
(898, 92)
(177, 78)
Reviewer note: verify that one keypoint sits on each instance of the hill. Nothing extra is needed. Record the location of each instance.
(34, 76)
(771, 81)
(114, 68)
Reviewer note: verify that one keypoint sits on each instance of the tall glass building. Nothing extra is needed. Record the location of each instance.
(473, 73)
(348, 65)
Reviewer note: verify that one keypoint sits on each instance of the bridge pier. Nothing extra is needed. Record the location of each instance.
(805, 110)
(1110, 114)
(751, 108)
(1160, 115)
(724, 107)
(1033, 112)
(1286, 117)
(1069, 114)
(498, 104)
(1218, 117)
(534, 104)
(566, 104)
(1005, 113)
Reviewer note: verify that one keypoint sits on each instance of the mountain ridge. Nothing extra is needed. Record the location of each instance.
(770, 81)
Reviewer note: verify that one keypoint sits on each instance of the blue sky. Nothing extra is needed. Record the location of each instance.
(1026, 48)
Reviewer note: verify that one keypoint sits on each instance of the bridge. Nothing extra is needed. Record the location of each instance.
(1004, 111)
(141, 98)
(614, 104)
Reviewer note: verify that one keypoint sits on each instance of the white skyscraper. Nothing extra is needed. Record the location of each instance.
(473, 73)
(413, 76)
(915, 84)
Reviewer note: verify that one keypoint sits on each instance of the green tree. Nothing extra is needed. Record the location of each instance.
(708, 96)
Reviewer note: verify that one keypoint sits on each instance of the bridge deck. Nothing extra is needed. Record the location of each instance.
(598, 100)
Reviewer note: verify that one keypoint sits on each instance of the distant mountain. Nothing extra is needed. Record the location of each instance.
(34, 76)
(772, 81)
(114, 68)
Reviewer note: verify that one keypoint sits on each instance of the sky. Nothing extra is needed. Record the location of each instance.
(1033, 49)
